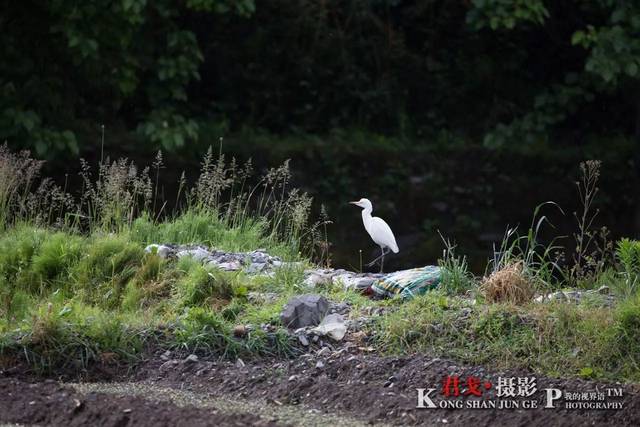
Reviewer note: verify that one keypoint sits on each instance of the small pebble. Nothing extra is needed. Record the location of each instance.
(192, 358)
(303, 340)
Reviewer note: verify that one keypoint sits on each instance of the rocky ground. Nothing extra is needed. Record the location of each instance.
(324, 387)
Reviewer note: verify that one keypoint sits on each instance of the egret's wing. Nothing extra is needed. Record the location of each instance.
(381, 234)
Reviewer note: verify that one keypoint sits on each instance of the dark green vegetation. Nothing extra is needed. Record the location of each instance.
(77, 288)
(514, 74)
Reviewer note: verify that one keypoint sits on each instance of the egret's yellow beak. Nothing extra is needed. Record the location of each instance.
(354, 203)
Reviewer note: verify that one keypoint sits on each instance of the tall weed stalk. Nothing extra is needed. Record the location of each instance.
(594, 250)
(537, 258)
(120, 193)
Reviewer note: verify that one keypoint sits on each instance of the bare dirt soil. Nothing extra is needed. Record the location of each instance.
(345, 387)
(50, 403)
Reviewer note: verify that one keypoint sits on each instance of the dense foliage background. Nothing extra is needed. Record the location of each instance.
(466, 113)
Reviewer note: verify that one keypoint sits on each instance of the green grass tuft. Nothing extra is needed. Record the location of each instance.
(53, 262)
(111, 261)
(556, 339)
(628, 254)
(72, 336)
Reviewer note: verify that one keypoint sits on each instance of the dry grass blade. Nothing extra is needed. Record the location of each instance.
(508, 284)
(18, 171)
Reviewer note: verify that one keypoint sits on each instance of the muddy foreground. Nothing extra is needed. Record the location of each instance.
(348, 387)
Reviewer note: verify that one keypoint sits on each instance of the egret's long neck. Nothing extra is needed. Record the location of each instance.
(366, 217)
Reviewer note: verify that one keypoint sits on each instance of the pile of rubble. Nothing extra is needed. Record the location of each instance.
(254, 262)
(315, 321)
(260, 262)
(321, 277)
(601, 296)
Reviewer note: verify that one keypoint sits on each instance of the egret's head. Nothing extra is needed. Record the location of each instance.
(363, 203)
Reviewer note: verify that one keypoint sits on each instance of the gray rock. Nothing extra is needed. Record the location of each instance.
(254, 262)
(340, 308)
(324, 351)
(169, 364)
(260, 256)
(304, 310)
(266, 297)
(303, 340)
(199, 254)
(255, 267)
(192, 358)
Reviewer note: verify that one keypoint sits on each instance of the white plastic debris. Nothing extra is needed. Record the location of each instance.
(198, 254)
(332, 326)
(317, 279)
(227, 266)
(162, 250)
(353, 281)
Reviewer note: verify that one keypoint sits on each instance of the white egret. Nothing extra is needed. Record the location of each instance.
(379, 231)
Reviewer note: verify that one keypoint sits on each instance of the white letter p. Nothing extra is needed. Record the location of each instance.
(553, 394)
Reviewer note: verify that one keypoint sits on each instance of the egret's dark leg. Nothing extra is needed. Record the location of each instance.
(376, 260)
(382, 262)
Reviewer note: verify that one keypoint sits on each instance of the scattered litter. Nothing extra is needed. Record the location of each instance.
(162, 251)
(333, 326)
(326, 277)
(408, 283)
(198, 254)
(600, 296)
(254, 262)
(227, 266)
